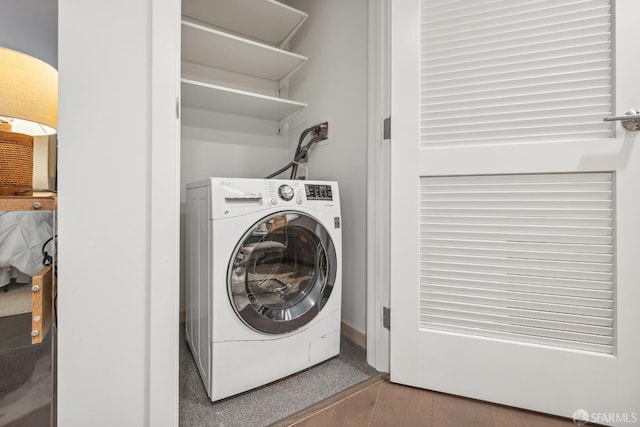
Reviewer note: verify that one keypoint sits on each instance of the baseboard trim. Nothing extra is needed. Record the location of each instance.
(349, 332)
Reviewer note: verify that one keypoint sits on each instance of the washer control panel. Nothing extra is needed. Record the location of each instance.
(318, 192)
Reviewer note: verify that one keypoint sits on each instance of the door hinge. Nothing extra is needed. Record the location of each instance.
(386, 317)
(386, 128)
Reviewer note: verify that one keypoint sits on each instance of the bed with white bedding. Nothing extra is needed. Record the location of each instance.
(22, 235)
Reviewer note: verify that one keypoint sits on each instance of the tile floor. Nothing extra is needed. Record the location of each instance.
(379, 403)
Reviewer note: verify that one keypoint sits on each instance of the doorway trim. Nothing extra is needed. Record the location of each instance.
(378, 173)
(162, 358)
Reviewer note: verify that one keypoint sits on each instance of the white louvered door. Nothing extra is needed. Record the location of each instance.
(515, 209)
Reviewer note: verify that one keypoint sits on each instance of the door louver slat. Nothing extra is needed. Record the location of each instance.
(513, 257)
(528, 321)
(544, 67)
(509, 16)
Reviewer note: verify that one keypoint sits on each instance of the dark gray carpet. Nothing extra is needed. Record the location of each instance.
(268, 404)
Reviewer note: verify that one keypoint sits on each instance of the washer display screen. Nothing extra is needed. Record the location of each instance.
(318, 192)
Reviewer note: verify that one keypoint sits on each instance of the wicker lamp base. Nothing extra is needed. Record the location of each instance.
(16, 164)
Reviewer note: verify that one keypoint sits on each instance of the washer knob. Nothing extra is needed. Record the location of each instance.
(274, 201)
(299, 201)
(286, 192)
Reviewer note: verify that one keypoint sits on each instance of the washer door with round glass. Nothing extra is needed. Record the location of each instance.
(282, 272)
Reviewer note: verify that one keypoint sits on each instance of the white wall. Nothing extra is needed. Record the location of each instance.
(109, 215)
(225, 145)
(334, 84)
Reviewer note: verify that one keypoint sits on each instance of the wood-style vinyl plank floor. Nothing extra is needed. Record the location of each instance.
(379, 403)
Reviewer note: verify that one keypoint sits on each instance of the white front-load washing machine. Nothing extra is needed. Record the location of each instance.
(263, 279)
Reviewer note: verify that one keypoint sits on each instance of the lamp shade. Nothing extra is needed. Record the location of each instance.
(28, 107)
(28, 93)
